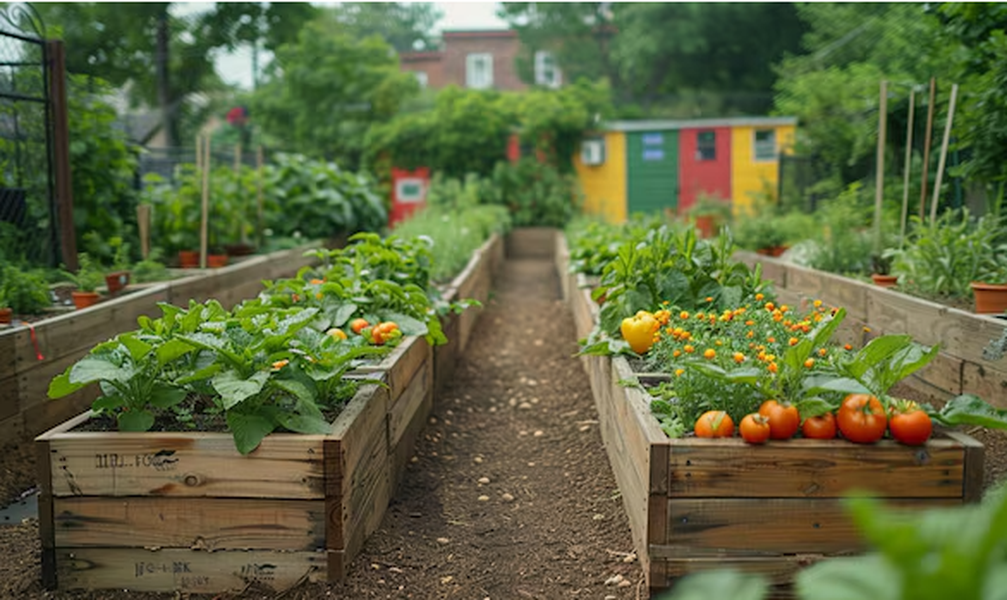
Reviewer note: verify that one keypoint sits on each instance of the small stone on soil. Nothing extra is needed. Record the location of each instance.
(507, 498)
(478, 460)
(524, 405)
(614, 580)
(442, 540)
(483, 498)
(539, 433)
(624, 583)
(484, 480)
(584, 427)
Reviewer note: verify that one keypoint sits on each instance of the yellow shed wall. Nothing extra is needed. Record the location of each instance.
(604, 185)
(749, 177)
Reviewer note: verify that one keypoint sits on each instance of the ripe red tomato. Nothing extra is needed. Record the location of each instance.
(784, 420)
(357, 325)
(862, 419)
(822, 427)
(714, 423)
(909, 424)
(755, 429)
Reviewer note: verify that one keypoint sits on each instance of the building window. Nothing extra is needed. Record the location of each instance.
(765, 145)
(422, 78)
(706, 145)
(479, 71)
(547, 73)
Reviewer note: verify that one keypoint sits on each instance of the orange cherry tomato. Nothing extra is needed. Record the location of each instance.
(358, 325)
(755, 429)
(784, 420)
(714, 423)
(822, 427)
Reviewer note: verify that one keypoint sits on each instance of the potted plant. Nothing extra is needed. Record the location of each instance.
(87, 279)
(881, 266)
(990, 289)
(118, 278)
(709, 213)
(6, 312)
(23, 292)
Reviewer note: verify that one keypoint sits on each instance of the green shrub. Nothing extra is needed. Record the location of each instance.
(24, 291)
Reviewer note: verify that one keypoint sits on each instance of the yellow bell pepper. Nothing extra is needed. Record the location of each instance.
(639, 331)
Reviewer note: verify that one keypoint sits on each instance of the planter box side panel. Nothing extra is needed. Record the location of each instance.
(407, 418)
(562, 259)
(173, 569)
(531, 242)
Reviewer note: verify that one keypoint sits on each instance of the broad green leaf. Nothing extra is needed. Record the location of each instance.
(849, 578)
(90, 369)
(308, 424)
(969, 409)
(720, 585)
(875, 352)
(108, 402)
(813, 407)
(135, 420)
(672, 285)
(248, 429)
(61, 386)
(233, 389)
(817, 384)
(296, 389)
(138, 349)
(343, 314)
(902, 364)
(201, 374)
(163, 396)
(171, 350)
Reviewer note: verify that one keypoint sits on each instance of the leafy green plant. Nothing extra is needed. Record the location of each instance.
(88, 277)
(844, 243)
(24, 291)
(258, 367)
(150, 269)
(535, 193)
(120, 255)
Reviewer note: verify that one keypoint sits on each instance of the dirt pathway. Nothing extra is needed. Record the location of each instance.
(510, 495)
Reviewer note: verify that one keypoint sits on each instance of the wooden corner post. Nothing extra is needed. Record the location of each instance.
(63, 188)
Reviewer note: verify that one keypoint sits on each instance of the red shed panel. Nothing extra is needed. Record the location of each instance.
(704, 164)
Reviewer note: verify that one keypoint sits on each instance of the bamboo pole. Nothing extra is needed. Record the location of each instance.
(259, 199)
(143, 224)
(237, 158)
(204, 225)
(909, 164)
(944, 153)
(199, 153)
(926, 146)
(879, 185)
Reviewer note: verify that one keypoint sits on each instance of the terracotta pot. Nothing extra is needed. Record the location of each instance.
(774, 251)
(116, 281)
(885, 280)
(85, 299)
(239, 249)
(215, 261)
(991, 298)
(188, 259)
(6, 314)
(706, 226)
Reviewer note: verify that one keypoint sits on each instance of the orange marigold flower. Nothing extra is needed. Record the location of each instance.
(772, 367)
(822, 351)
(683, 315)
(317, 281)
(770, 306)
(709, 298)
(676, 353)
(771, 340)
(809, 363)
(666, 303)
(700, 315)
(750, 334)
(847, 347)
(739, 357)
(718, 343)
(793, 341)
(710, 353)
(749, 322)
(751, 345)
(759, 297)
(280, 364)
(817, 303)
(689, 349)
(867, 329)
(771, 357)
(678, 372)
(784, 308)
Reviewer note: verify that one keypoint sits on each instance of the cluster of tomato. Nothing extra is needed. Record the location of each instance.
(378, 334)
(861, 418)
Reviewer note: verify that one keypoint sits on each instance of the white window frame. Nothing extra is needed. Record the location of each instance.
(545, 75)
(422, 78)
(472, 80)
(756, 145)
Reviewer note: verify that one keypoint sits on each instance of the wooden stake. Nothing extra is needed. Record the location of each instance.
(237, 158)
(259, 200)
(909, 164)
(879, 185)
(926, 146)
(143, 223)
(944, 153)
(199, 153)
(204, 226)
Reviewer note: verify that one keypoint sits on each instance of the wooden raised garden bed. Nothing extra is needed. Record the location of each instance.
(959, 368)
(698, 504)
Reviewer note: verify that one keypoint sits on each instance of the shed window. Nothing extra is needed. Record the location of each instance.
(706, 145)
(765, 145)
(546, 71)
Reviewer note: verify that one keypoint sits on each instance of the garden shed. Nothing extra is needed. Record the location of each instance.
(657, 165)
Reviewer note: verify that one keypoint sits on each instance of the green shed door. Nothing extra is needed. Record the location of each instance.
(652, 171)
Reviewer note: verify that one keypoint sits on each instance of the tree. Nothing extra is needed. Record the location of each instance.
(579, 34)
(404, 26)
(323, 92)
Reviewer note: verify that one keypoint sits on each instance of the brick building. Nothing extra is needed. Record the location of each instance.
(478, 60)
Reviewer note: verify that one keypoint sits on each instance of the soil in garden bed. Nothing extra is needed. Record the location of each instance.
(510, 494)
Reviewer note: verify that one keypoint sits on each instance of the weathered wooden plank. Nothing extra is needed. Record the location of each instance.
(404, 409)
(8, 353)
(889, 311)
(446, 355)
(973, 484)
(188, 571)
(46, 529)
(209, 524)
(778, 570)
(988, 383)
(943, 372)
(42, 415)
(739, 526)
(801, 468)
(10, 405)
(185, 464)
(531, 242)
(405, 449)
(401, 365)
